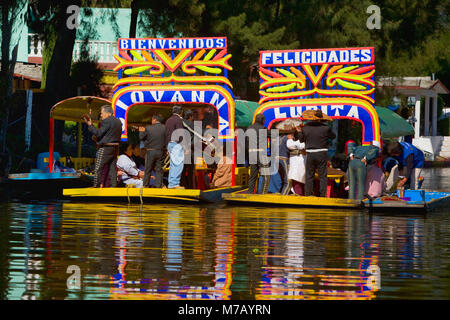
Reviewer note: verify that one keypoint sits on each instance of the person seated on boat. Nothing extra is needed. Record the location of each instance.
(296, 173)
(411, 161)
(108, 139)
(360, 157)
(391, 174)
(174, 147)
(59, 167)
(187, 176)
(129, 173)
(316, 135)
(139, 156)
(223, 176)
(154, 138)
(257, 154)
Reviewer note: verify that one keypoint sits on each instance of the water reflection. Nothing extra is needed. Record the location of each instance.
(217, 252)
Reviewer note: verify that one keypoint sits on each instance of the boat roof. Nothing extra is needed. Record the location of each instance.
(73, 109)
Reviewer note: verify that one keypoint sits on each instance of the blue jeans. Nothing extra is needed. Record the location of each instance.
(356, 179)
(176, 154)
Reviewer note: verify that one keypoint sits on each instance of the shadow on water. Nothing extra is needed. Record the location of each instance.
(217, 252)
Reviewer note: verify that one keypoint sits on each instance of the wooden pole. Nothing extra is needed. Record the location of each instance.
(80, 139)
(51, 137)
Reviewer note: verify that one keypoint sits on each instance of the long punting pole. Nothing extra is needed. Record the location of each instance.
(51, 135)
(80, 139)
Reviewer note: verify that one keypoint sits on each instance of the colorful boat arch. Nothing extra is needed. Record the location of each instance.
(174, 71)
(340, 82)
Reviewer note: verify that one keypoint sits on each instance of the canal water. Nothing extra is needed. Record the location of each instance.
(221, 252)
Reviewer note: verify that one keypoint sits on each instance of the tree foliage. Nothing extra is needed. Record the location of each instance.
(12, 15)
(413, 39)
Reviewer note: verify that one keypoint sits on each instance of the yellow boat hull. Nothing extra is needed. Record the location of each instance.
(149, 194)
(289, 200)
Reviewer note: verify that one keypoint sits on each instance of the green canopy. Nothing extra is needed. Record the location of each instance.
(244, 111)
(393, 125)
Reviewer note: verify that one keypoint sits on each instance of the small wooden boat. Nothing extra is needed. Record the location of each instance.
(273, 199)
(145, 195)
(413, 201)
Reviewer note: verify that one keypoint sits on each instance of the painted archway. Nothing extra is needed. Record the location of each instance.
(174, 71)
(340, 82)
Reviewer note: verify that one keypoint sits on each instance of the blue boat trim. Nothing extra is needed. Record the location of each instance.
(44, 176)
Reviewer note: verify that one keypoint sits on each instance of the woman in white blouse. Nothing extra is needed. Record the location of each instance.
(296, 173)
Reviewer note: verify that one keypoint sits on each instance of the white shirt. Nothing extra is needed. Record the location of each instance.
(296, 163)
(126, 164)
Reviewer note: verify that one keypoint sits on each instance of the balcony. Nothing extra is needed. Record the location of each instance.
(103, 51)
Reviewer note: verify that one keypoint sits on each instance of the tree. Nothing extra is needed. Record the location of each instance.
(59, 38)
(12, 15)
(247, 25)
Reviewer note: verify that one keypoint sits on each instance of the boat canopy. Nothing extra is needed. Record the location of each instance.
(165, 72)
(73, 109)
(244, 111)
(392, 124)
(340, 82)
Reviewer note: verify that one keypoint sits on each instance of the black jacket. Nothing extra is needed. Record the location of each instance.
(173, 123)
(315, 135)
(110, 131)
(154, 136)
(259, 129)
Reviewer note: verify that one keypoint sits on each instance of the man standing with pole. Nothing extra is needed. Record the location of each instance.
(315, 134)
(108, 139)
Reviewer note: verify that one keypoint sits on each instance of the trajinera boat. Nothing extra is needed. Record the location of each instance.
(153, 76)
(51, 170)
(339, 82)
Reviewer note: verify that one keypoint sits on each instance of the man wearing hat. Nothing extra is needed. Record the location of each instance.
(315, 134)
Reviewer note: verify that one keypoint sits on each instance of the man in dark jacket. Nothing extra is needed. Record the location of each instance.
(175, 148)
(153, 137)
(259, 162)
(315, 135)
(108, 139)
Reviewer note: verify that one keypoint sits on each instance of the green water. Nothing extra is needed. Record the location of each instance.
(220, 252)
